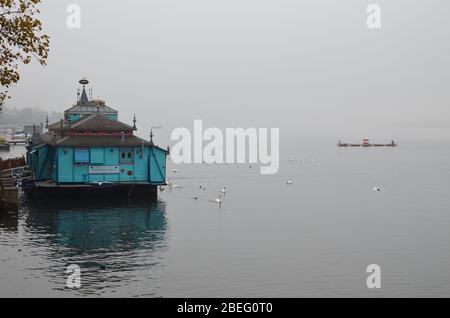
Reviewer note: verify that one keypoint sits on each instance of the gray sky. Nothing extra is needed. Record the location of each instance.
(309, 67)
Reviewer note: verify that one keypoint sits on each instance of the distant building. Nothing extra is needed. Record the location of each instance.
(91, 150)
(30, 129)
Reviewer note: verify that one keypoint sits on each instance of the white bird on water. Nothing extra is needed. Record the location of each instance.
(289, 182)
(219, 200)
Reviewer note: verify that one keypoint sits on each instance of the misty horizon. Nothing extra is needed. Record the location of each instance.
(310, 68)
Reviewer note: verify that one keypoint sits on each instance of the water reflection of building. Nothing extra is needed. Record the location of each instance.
(113, 244)
(109, 227)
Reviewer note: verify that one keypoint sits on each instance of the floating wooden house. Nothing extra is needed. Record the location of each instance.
(91, 151)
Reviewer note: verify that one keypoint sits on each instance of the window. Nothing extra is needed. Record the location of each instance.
(126, 155)
(81, 155)
(97, 155)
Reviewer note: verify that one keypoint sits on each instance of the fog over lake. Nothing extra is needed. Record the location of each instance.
(310, 68)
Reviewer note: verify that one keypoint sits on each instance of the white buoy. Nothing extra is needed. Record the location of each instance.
(289, 182)
(376, 189)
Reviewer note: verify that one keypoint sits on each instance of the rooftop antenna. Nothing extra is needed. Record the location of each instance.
(151, 137)
(151, 134)
(134, 122)
(61, 123)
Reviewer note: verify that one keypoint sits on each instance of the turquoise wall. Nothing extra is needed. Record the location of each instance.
(75, 117)
(65, 164)
(41, 162)
(111, 159)
(46, 158)
(157, 163)
(113, 117)
(146, 164)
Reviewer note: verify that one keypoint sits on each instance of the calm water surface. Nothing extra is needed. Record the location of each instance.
(313, 238)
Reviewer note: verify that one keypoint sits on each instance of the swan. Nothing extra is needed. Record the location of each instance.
(219, 200)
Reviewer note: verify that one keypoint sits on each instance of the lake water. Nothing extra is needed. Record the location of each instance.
(268, 239)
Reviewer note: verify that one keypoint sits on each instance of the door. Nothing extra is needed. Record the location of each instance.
(126, 161)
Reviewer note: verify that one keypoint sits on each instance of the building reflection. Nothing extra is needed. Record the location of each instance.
(112, 243)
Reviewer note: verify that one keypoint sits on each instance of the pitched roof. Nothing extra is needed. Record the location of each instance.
(84, 99)
(86, 141)
(93, 122)
(89, 108)
(91, 141)
(100, 122)
(42, 139)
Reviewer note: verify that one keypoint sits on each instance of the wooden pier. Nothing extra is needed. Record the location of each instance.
(10, 169)
(18, 142)
(9, 194)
